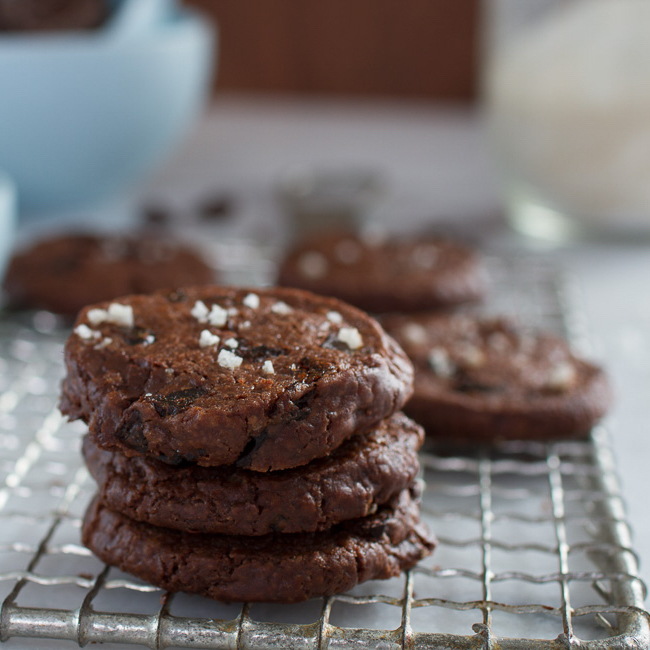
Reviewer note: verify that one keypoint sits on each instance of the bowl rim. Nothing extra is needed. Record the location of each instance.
(8, 198)
(183, 18)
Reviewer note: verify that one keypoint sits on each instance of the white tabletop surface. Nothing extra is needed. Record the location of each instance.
(437, 165)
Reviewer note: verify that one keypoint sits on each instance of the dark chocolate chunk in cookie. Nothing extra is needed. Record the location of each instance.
(386, 275)
(231, 376)
(490, 380)
(273, 568)
(357, 477)
(66, 273)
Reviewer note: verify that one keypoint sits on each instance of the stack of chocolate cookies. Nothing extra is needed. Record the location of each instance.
(247, 444)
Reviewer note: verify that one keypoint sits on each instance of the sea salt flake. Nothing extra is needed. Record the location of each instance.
(470, 355)
(245, 325)
(414, 333)
(562, 377)
(313, 264)
(218, 316)
(227, 359)
(232, 311)
(334, 316)
(281, 308)
(252, 300)
(440, 363)
(97, 316)
(120, 314)
(200, 311)
(267, 368)
(232, 343)
(374, 235)
(208, 339)
(149, 339)
(351, 337)
(104, 343)
(84, 332)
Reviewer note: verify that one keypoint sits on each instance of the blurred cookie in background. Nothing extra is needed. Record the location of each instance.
(489, 380)
(381, 274)
(65, 273)
(52, 15)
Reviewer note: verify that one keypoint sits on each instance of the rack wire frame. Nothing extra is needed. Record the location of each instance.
(506, 494)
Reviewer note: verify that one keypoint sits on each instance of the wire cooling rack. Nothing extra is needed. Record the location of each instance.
(534, 546)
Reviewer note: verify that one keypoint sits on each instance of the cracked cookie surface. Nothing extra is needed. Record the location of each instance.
(265, 379)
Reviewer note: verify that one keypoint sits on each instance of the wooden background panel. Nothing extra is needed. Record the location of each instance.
(410, 48)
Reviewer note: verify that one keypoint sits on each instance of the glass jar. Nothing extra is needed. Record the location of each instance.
(567, 96)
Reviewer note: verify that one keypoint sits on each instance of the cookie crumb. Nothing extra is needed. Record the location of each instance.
(227, 359)
(440, 363)
(351, 337)
(334, 317)
(252, 300)
(232, 343)
(313, 265)
(281, 307)
(267, 368)
(208, 339)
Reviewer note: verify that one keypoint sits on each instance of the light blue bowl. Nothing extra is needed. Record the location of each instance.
(7, 219)
(85, 115)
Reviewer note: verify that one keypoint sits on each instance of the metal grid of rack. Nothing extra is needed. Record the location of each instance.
(534, 547)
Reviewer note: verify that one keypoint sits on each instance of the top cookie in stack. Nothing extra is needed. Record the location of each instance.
(218, 376)
(236, 387)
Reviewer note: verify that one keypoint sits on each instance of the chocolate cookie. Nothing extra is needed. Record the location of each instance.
(51, 15)
(66, 273)
(389, 275)
(285, 568)
(266, 379)
(490, 380)
(363, 473)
